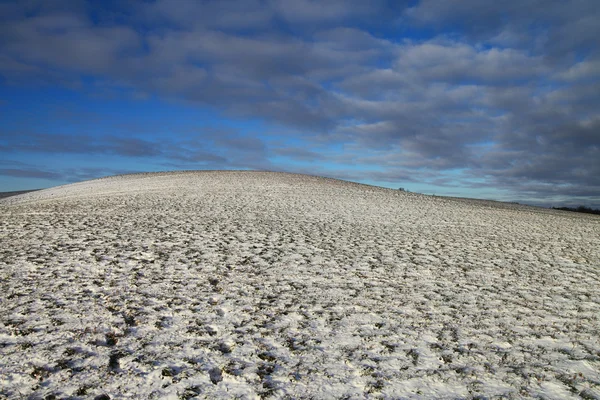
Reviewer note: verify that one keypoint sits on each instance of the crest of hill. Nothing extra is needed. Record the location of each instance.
(282, 185)
(190, 182)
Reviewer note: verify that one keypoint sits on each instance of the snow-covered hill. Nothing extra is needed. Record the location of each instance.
(256, 284)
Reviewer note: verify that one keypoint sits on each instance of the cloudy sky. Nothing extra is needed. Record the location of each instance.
(467, 98)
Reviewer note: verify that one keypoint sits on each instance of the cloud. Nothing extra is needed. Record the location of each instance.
(78, 144)
(315, 11)
(222, 15)
(133, 147)
(299, 154)
(506, 91)
(208, 147)
(553, 28)
(460, 62)
(66, 40)
(562, 154)
(197, 157)
(61, 175)
(29, 173)
(587, 70)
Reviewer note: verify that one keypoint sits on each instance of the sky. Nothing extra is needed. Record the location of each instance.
(470, 98)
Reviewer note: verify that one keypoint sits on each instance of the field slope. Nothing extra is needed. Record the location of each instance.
(269, 285)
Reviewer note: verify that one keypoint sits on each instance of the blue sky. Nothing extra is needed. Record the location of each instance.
(473, 98)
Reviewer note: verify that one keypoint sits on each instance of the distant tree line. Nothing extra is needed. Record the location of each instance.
(581, 209)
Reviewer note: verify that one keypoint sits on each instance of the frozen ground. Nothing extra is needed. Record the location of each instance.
(268, 285)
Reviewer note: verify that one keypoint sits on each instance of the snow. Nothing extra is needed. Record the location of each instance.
(269, 285)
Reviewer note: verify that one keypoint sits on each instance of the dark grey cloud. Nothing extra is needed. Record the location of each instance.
(12, 163)
(566, 154)
(78, 144)
(28, 170)
(29, 173)
(196, 157)
(460, 62)
(299, 154)
(229, 148)
(561, 32)
(36, 142)
(188, 14)
(66, 40)
(314, 11)
(133, 147)
(244, 151)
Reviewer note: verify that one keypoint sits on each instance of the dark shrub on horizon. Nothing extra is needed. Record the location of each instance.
(581, 209)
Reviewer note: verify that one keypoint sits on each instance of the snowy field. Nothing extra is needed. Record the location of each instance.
(270, 285)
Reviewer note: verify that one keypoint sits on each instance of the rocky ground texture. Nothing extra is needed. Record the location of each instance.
(271, 285)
